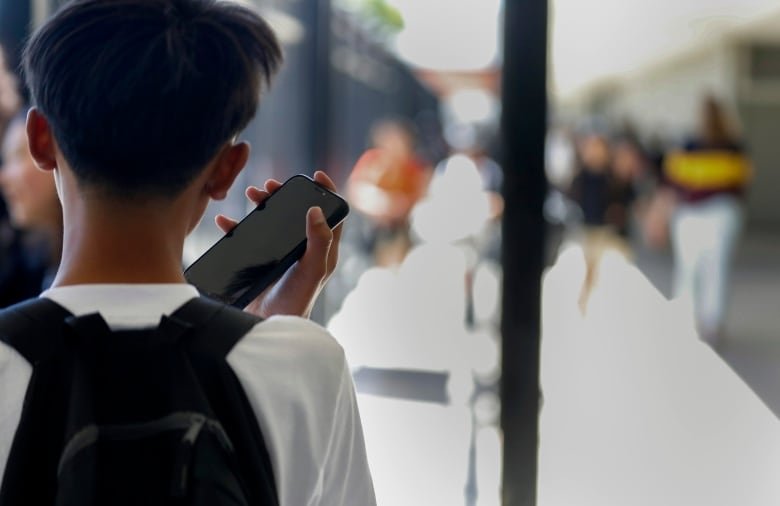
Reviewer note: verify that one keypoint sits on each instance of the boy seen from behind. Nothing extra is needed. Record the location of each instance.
(137, 105)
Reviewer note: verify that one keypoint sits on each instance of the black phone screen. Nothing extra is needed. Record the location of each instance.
(264, 244)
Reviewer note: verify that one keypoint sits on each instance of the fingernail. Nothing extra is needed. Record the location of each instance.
(319, 217)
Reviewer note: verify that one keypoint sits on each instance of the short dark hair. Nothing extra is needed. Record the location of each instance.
(141, 94)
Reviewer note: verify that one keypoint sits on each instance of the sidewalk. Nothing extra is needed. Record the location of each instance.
(752, 345)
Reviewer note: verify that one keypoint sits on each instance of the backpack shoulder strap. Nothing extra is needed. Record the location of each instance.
(34, 327)
(216, 327)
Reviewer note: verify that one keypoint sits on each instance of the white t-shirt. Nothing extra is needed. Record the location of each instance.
(292, 370)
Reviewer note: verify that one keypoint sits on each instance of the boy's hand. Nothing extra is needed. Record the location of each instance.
(297, 290)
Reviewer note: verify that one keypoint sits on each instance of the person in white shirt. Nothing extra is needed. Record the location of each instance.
(135, 114)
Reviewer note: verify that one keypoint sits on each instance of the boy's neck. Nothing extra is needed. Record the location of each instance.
(53, 234)
(111, 243)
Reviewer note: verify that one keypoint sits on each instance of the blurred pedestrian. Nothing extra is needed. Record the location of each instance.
(386, 182)
(33, 207)
(705, 182)
(10, 100)
(25, 257)
(603, 188)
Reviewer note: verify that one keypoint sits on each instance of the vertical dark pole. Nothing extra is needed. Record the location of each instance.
(320, 83)
(523, 124)
(319, 123)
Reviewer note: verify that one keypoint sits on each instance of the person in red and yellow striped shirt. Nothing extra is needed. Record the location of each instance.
(706, 180)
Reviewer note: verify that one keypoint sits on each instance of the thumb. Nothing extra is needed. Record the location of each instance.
(319, 237)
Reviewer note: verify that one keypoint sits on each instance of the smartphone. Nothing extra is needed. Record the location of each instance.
(262, 246)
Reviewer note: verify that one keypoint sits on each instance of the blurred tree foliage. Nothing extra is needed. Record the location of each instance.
(385, 14)
(379, 15)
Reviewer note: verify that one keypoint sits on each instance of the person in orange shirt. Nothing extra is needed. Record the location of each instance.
(386, 182)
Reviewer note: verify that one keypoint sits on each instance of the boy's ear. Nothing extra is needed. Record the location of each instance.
(43, 147)
(225, 169)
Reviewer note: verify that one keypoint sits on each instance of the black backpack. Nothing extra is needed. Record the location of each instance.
(134, 417)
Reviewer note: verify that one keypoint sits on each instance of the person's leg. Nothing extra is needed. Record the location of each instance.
(591, 247)
(725, 220)
(686, 248)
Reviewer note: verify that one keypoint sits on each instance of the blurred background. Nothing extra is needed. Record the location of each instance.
(653, 315)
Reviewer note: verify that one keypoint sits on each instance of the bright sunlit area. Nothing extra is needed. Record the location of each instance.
(641, 404)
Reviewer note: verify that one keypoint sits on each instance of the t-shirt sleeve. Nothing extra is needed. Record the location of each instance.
(346, 475)
(15, 374)
(297, 380)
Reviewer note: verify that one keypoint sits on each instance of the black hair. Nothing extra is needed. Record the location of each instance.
(142, 94)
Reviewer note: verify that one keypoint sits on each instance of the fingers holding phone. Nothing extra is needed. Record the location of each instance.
(297, 289)
(255, 195)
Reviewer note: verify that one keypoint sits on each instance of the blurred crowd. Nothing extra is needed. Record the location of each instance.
(613, 192)
(611, 189)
